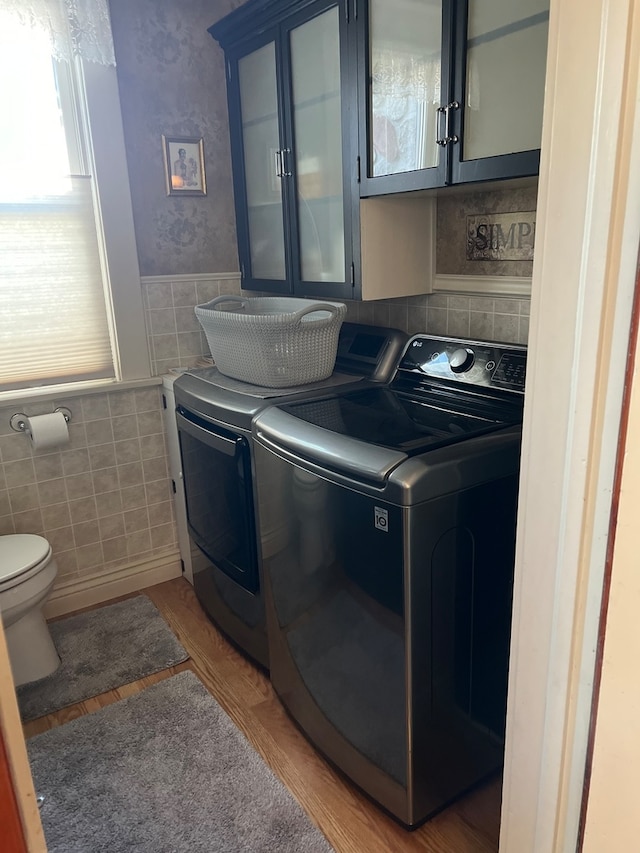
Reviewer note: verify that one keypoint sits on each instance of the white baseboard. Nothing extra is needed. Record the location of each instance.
(76, 593)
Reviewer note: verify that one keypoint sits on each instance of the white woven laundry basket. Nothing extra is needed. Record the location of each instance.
(271, 340)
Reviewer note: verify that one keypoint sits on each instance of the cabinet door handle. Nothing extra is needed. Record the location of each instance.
(280, 163)
(447, 138)
(278, 160)
(286, 173)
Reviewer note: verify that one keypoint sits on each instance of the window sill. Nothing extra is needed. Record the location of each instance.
(75, 389)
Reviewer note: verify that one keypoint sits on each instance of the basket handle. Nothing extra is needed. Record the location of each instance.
(219, 299)
(316, 306)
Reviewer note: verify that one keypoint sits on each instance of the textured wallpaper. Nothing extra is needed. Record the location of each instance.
(451, 235)
(171, 79)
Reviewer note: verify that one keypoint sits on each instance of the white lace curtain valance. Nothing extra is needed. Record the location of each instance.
(395, 71)
(75, 27)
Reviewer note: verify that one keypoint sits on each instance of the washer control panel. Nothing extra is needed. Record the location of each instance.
(485, 364)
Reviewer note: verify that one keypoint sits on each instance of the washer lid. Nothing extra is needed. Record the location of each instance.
(19, 552)
(397, 421)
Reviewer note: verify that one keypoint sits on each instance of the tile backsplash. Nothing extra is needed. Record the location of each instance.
(490, 318)
(174, 334)
(176, 338)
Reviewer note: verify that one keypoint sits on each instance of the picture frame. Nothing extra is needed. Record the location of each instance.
(184, 165)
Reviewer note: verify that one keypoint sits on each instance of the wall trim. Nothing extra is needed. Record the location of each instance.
(480, 285)
(77, 389)
(484, 285)
(209, 276)
(76, 593)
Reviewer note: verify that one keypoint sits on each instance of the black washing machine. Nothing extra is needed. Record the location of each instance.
(388, 598)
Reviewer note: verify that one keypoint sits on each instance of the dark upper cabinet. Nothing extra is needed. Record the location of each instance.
(450, 91)
(291, 95)
(338, 109)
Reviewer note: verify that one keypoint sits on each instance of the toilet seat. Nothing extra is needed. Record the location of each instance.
(21, 556)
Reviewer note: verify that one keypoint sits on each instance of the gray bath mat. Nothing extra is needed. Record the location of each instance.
(99, 650)
(164, 771)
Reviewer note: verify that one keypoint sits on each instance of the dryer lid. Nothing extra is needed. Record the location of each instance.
(20, 552)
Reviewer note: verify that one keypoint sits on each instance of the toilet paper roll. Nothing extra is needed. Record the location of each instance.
(48, 431)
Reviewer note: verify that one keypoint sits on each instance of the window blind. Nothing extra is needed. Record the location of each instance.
(53, 313)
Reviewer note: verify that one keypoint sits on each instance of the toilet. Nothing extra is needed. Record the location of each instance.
(27, 573)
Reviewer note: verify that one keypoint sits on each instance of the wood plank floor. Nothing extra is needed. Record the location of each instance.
(351, 823)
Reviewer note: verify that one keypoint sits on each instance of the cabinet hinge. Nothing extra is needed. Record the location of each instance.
(358, 169)
(164, 402)
(182, 566)
(228, 71)
(173, 486)
(242, 274)
(353, 274)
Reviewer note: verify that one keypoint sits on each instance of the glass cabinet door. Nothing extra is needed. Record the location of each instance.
(290, 104)
(316, 116)
(405, 85)
(502, 87)
(454, 91)
(263, 165)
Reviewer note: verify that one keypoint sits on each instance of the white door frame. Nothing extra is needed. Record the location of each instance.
(588, 232)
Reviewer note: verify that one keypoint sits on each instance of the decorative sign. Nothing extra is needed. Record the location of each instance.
(501, 236)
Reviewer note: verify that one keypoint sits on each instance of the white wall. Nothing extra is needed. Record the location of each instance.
(588, 232)
(612, 816)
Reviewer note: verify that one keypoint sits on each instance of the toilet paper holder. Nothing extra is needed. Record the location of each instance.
(19, 421)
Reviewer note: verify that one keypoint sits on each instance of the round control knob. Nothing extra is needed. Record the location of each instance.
(461, 360)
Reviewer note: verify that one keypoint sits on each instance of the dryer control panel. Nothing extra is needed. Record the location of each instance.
(484, 364)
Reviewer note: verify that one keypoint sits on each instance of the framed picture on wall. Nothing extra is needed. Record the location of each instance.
(184, 165)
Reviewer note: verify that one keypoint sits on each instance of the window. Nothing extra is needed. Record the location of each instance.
(70, 302)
